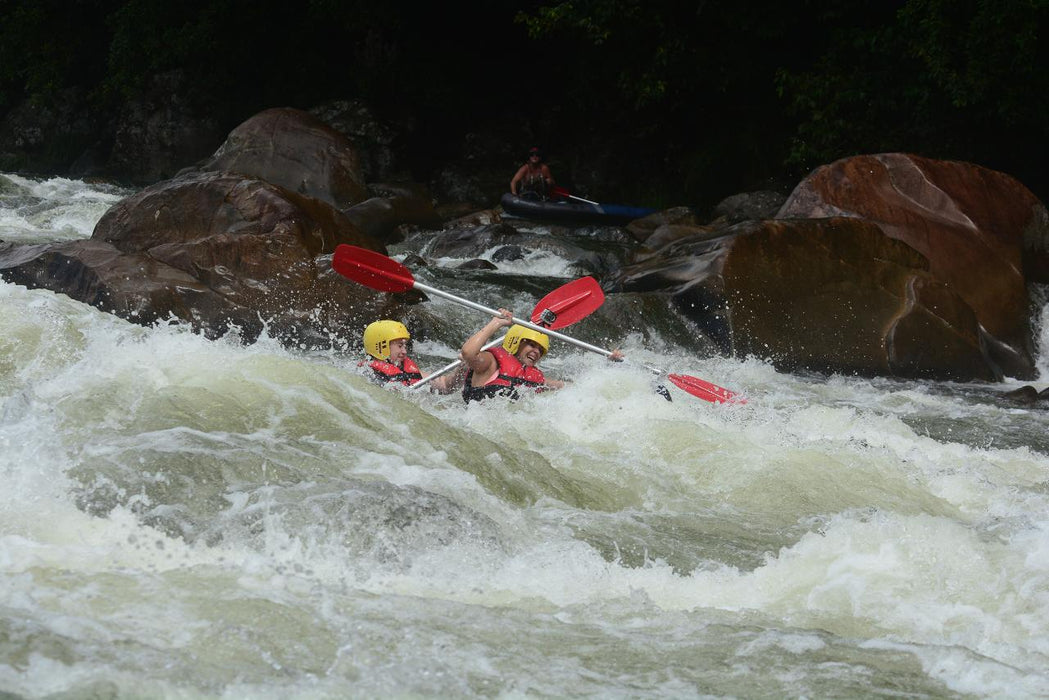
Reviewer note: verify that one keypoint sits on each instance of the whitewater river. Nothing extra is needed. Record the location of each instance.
(187, 518)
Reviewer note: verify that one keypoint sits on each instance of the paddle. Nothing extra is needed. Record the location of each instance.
(704, 389)
(562, 307)
(562, 192)
(384, 274)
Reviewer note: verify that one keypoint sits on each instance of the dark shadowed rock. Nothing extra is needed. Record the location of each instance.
(46, 136)
(837, 294)
(477, 264)
(1025, 395)
(508, 253)
(159, 132)
(643, 228)
(294, 149)
(393, 206)
(252, 228)
(749, 206)
(974, 225)
(668, 233)
(133, 286)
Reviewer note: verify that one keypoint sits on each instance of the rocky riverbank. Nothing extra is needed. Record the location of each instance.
(884, 264)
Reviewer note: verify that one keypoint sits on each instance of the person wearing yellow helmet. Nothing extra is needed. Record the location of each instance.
(499, 371)
(386, 342)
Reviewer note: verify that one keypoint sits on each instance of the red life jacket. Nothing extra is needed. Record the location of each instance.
(408, 373)
(511, 375)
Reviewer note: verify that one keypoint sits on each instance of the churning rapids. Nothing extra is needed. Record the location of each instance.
(193, 518)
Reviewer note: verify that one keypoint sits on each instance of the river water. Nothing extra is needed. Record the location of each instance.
(190, 518)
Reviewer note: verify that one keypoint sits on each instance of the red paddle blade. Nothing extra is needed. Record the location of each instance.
(704, 389)
(559, 192)
(568, 303)
(371, 269)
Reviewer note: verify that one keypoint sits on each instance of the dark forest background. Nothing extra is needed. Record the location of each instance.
(661, 101)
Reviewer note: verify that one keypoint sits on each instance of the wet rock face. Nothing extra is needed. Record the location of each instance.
(294, 149)
(878, 265)
(978, 228)
(838, 295)
(244, 240)
(830, 295)
(392, 209)
(211, 249)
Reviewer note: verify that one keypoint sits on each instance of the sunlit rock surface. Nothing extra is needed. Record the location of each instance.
(978, 228)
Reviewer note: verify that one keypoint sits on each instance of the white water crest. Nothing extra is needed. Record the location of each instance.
(47, 211)
(195, 518)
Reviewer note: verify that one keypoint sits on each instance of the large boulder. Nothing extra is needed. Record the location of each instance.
(243, 240)
(975, 226)
(214, 250)
(294, 149)
(831, 295)
(837, 294)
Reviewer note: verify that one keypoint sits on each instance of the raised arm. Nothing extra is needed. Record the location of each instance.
(481, 361)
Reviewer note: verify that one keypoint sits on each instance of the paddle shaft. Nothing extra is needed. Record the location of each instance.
(565, 193)
(588, 201)
(706, 392)
(381, 273)
(519, 321)
(571, 341)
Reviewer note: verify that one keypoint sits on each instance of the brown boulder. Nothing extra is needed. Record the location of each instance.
(212, 249)
(971, 223)
(831, 295)
(294, 149)
(132, 286)
(838, 295)
(244, 238)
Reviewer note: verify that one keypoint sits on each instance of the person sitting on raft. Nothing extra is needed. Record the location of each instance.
(387, 343)
(499, 371)
(532, 180)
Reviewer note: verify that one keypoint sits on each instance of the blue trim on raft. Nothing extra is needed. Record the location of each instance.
(572, 211)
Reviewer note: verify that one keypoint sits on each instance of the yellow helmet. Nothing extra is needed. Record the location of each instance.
(518, 333)
(378, 336)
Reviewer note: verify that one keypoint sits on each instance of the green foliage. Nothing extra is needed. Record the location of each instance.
(794, 85)
(948, 78)
(46, 45)
(670, 99)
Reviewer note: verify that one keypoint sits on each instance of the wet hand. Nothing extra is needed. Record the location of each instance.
(616, 356)
(504, 318)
